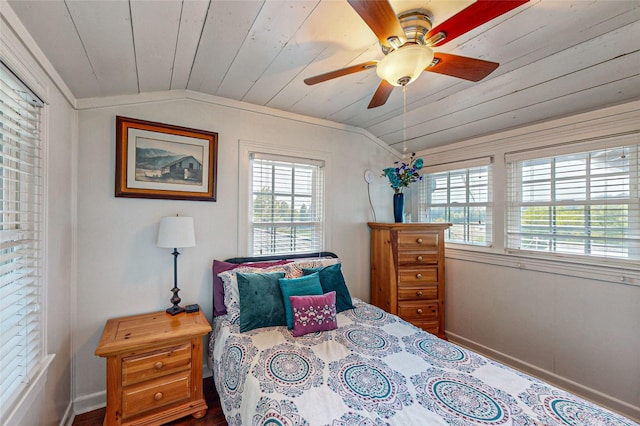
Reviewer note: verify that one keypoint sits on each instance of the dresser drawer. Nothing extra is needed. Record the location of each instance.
(417, 241)
(419, 275)
(418, 311)
(156, 393)
(417, 258)
(418, 292)
(156, 364)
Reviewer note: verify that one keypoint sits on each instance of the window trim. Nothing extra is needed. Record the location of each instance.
(245, 148)
(558, 265)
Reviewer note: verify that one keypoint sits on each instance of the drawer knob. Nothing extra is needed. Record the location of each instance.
(419, 293)
(419, 241)
(158, 396)
(419, 311)
(418, 276)
(419, 258)
(158, 365)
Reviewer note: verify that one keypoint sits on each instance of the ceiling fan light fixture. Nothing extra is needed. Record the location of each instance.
(402, 66)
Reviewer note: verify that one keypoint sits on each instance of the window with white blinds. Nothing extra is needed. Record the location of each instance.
(581, 203)
(459, 193)
(287, 205)
(21, 341)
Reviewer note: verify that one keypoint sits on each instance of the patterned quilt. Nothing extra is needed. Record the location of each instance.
(376, 369)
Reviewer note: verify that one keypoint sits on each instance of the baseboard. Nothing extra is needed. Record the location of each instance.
(91, 402)
(67, 418)
(585, 392)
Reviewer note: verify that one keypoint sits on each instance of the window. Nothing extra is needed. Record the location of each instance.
(286, 206)
(459, 193)
(21, 340)
(582, 203)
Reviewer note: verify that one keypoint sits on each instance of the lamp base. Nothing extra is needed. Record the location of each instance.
(175, 299)
(175, 310)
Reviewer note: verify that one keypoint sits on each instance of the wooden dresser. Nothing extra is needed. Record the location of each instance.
(154, 367)
(407, 272)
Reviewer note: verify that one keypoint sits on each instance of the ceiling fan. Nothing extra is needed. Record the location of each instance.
(407, 41)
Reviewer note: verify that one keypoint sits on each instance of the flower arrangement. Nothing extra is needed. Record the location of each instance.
(404, 174)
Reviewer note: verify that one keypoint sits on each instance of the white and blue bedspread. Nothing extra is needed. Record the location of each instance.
(376, 369)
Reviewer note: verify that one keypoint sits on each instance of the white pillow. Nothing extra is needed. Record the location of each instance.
(294, 269)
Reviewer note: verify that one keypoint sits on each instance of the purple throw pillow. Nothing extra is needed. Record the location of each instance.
(313, 313)
(218, 287)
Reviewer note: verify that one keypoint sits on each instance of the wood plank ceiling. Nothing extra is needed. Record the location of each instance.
(557, 57)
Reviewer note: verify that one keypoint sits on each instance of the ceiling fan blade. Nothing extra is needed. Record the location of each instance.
(380, 17)
(462, 67)
(339, 73)
(382, 94)
(471, 17)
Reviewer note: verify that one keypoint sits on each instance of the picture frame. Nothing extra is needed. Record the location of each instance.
(164, 161)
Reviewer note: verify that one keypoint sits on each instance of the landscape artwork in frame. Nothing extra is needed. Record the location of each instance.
(155, 160)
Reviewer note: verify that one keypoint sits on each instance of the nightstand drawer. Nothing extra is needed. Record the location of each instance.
(417, 241)
(152, 394)
(418, 292)
(418, 311)
(421, 275)
(416, 258)
(156, 364)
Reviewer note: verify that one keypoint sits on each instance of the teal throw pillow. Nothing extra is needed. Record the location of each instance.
(308, 285)
(331, 279)
(260, 300)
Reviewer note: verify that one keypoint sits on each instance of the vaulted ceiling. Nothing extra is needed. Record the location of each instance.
(557, 57)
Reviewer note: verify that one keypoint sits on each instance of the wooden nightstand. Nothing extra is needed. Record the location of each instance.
(154, 367)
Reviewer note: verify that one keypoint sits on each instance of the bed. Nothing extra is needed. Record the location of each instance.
(360, 367)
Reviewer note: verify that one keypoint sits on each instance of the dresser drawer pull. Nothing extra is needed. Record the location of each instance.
(419, 258)
(419, 241)
(419, 311)
(158, 396)
(158, 365)
(418, 276)
(419, 293)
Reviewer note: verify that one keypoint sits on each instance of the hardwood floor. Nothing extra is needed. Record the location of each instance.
(214, 416)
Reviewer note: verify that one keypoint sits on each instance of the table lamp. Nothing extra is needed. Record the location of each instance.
(176, 232)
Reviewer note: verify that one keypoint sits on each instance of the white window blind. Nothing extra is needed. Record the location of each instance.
(583, 203)
(287, 205)
(20, 233)
(459, 193)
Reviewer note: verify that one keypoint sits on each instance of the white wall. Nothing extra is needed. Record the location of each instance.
(120, 269)
(49, 404)
(574, 324)
(564, 329)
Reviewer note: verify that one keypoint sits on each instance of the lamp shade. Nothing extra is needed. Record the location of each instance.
(176, 232)
(407, 62)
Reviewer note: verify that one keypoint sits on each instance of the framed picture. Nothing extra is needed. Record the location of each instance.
(155, 160)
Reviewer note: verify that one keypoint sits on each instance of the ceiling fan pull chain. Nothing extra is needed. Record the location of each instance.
(404, 120)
